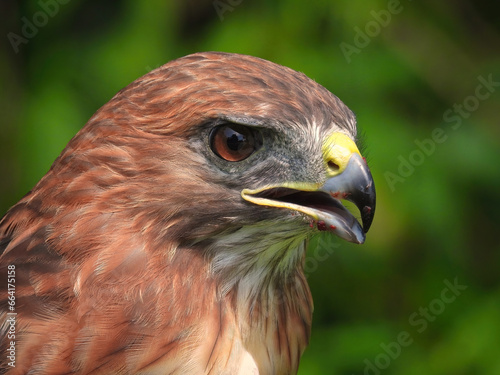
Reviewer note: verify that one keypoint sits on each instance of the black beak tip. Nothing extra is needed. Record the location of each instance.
(367, 208)
(367, 214)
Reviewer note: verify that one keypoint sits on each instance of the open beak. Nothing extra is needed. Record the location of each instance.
(349, 178)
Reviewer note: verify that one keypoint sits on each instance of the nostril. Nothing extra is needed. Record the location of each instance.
(333, 166)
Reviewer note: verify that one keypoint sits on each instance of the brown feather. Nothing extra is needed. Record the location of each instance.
(115, 247)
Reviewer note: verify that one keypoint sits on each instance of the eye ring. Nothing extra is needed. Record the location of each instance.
(234, 142)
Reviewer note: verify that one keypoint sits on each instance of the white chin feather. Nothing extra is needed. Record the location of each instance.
(256, 254)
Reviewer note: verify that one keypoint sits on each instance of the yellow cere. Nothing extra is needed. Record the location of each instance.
(337, 150)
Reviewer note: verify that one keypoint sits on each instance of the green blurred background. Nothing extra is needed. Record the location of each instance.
(407, 69)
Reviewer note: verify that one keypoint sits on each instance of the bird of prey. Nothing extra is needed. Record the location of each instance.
(169, 235)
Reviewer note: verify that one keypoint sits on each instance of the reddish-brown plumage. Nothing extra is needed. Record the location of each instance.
(117, 248)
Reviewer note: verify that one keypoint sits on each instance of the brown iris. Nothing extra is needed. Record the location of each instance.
(234, 142)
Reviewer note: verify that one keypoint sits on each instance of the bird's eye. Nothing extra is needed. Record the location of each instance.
(233, 142)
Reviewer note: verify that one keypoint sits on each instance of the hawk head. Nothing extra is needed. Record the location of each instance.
(243, 158)
(187, 199)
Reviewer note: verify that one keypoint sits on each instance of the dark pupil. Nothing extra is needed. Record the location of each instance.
(235, 140)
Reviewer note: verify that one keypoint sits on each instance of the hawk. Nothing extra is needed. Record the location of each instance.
(169, 235)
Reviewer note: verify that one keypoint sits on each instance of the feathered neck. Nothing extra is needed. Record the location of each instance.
(260, 269)
(256, 257)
